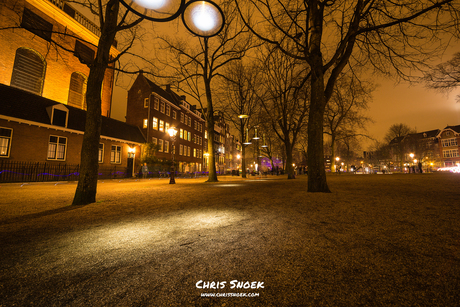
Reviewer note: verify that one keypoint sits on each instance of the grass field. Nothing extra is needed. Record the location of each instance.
(376, 240)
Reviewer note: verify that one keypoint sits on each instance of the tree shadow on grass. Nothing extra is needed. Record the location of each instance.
(28, 217)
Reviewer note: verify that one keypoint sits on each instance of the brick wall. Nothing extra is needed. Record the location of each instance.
(60, 64)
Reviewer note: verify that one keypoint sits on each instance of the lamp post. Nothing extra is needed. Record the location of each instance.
(203, 18)
(337, 161)
(245, 142)
(172, 133)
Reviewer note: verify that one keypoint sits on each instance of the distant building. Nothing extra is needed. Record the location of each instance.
(449, 140)
(154, 110)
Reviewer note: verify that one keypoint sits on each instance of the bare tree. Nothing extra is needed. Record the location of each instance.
(343, 115)
(197, 63)
(285, 100)
(394, 137)
(326, 35)
(239, 100)
(445, 76)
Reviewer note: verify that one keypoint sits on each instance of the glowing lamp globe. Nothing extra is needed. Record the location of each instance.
(151, 4)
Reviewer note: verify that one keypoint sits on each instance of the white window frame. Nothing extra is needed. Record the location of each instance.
(56, 149)
(155, 123)
(161, 126)
(5, 141)
(116, 152)
(100, 153)
(166, 147)
(160, 143)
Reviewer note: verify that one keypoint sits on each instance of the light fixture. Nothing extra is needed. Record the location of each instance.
(256, 137)
(201, 17)
(247, 138)
(265, 143)
(243, 116)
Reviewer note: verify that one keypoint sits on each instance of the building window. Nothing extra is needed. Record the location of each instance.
(162, 126)
(449, 142)
(194, 153)
(145, 123)
(206, 134)
(5, 142)
(189, 136)
(181, 133)
(162, 107)
(57, 148)
(181, 150)
(115, 154)
(28, 71)
(156, 103)
(189, 121)
(155, 141)
(174, 114)
(168, 110)
(450, 153)
(166, 127)
(155, 123)
(182, 117)
(84, 53)
(77, 91)
(160, 143)
(166, 146)
(37, 25)
(146, 102)
(100, 156)
(188, 151)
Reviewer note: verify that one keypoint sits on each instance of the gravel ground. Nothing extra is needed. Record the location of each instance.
(376, 240)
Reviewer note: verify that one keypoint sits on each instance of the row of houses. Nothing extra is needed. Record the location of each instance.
(434, 149)
(42, 99)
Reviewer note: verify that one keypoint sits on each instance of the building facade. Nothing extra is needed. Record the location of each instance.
(154, 110)
(37, 130)
(449, 140)
(45, 49)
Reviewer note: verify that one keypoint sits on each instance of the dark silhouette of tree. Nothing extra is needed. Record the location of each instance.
(238, 96)
(198, 62)
(445, 76)
(327, 35)
(343, 114)
(395, 137)
(285, 100)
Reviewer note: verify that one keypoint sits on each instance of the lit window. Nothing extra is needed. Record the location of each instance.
(188, 151)
(166, 149)
(189, 136)
(155, 141)
(146, 102)
(115, 154)
(100, 155)
(156, 103)
(160, 143)
(181, 150)
(206, 134)
(162, 126)
(57, 148)
(5, 141)
(166, 127)
(181, 133)
(194, 152)
(146, 124)
(155, 123)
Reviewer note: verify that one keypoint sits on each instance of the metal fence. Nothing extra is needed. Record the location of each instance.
(12, 171)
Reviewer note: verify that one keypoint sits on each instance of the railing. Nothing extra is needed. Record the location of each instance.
(12, 171)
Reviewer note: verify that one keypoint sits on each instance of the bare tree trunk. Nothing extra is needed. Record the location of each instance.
(210, 122)
(243, 151)
(316, 169)
(87, 181)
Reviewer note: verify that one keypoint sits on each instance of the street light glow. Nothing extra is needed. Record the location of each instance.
(204, 17)
(151, 4)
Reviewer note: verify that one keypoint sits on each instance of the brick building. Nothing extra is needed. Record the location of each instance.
(449, 140)
(40, 130)
(45, 51)
(154, 110)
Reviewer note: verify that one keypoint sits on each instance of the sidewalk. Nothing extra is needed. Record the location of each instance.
(374, 241)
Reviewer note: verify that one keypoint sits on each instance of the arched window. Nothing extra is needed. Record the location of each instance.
(77, 91)
(28, 71)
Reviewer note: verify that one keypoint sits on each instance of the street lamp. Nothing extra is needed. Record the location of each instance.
(203, 18)
(172, 133)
